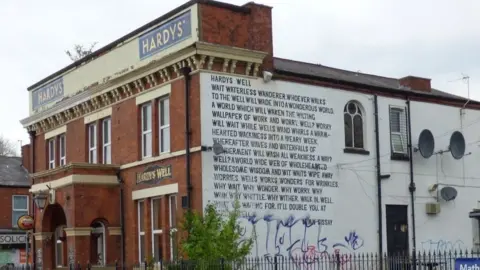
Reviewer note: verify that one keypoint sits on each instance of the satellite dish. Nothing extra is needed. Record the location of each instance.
(448, 193)
(218, 148)
(426, 143)
(457, 145)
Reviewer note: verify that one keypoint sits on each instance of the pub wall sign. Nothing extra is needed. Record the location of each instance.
(154, 174)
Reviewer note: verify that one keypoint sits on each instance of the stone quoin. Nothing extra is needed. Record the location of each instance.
(122, 144)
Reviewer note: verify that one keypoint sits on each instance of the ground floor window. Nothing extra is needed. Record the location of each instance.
(60, 246)
(156, 229)
(173, 226)
(141, 231)
(98, 243)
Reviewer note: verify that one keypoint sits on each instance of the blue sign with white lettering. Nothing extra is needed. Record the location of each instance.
(467, 264)
(165, 36)
(48, 93)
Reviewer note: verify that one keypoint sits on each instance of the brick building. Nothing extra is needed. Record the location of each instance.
(14, 199)
(118, 148)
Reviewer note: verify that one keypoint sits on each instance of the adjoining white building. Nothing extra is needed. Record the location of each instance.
(306, 161)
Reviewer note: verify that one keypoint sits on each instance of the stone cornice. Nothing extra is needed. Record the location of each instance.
(74, 165)
(135, 80)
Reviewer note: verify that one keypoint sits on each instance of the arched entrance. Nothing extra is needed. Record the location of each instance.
(55, 221)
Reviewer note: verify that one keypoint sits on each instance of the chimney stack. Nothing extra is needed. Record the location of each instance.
(416, 83)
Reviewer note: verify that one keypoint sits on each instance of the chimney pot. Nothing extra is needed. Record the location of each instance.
(416, 83)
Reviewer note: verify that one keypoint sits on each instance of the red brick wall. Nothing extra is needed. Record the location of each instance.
(251, 30)
(6, 194)
(26, 156)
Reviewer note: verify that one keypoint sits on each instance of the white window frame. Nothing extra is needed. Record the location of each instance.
(155, 231)
(140, 233)
(402, 135)
(146, 131)
(166, 126)
(62, 141)
(92, 150)
(173, 227)
(51, 153)
(107, 145)
(101, 230)
(14, 222)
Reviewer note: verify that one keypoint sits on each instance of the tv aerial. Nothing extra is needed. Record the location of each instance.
(426, 143)
(457, 145)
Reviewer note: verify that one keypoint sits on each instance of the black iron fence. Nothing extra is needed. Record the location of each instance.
(307, 261)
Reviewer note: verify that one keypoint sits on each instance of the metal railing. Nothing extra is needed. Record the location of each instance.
(307, 261)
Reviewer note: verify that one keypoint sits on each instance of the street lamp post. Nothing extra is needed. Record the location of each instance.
(40, 200)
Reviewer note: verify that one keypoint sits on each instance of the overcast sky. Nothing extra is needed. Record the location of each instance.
(437, 39)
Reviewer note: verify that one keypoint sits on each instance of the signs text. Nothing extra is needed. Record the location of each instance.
(154, 174)
(47, 94)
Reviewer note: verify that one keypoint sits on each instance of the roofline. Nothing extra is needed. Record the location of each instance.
(108, 47)
(15, 186)
(377, 88)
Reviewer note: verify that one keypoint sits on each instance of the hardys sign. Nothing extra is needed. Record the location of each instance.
(48, 93)
(165, 36)
(6, 239)
(154, 174)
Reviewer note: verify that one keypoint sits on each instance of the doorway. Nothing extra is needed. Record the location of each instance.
(397, 229)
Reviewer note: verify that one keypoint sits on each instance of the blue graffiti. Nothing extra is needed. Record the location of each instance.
(352, 241)
(308, 246)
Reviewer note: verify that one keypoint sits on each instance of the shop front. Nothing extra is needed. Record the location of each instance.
(13, 248)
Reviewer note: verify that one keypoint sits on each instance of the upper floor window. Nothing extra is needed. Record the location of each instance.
(398, 130)
(51, 153)
(353, 120)
(63, 149)
(107, 140)
(92, 143)
(19, 208)
(146, 130)
(164, 124)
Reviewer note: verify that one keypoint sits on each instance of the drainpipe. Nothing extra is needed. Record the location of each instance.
(411, 187)
(379, 182)
(122, 220)
(186, 73)
(32, 169)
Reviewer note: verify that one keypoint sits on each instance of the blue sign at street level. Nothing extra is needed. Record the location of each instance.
(467, 264)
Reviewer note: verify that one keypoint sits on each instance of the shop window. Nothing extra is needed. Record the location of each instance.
(92, 143)
(173, 226)
(156, 229)
(146, 130)
(164, 124)
(51, 153)
(19, 208)
(107, 140)
(141, 231)
(60, 246)
(98, 247)
(63, 150)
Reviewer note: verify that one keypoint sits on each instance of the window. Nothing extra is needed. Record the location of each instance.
(146, 130)
(164, 124)
(98, 243)
(141, 232)
(92, 143)
(353, 120)
(173, 226)
(63, 150)
(60, 246)
(107, 140)
(156, 229)
(19, 208)
(51, 153)
(398, 130)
